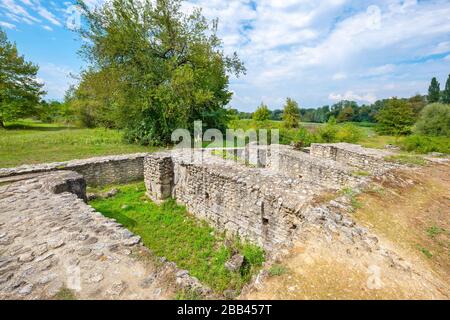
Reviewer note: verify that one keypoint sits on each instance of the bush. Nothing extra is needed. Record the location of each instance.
(426, 144)
(328, 132)
(262, 113)
(434, 120)
(349, 133)
(331, 132)
(288, 136)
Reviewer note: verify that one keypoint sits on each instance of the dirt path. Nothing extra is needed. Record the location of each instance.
(413, 221)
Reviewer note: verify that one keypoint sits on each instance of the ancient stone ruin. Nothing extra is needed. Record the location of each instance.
(266, 195)
(267, 200)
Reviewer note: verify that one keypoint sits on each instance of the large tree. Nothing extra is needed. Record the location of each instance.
(20, 90)
(434, 91)
(168, 67)
(395, 118)
(291, 114)
(446, 93)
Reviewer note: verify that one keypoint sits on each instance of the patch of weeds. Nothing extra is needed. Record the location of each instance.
(361, 173)
(65, 294)
(376, 190)
(168, 230)
(425, 251)
(407, 159)
(435, 231)
(352, 195)
(188, 294)
(277, 270)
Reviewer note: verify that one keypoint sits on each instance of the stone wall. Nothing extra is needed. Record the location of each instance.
(263, 208)
(159, 176)
(300, 165)
(371, 160)
(96, 171)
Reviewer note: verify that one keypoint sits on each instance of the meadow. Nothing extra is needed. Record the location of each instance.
(31, 142)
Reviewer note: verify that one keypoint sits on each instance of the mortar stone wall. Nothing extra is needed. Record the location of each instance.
(96, 171)
(300, 165)
(256, 204)
(370, 160)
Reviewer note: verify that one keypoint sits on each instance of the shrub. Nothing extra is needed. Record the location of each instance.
(426, 144)
(288, 136)
(262, 113)
(349, 133)
(328, 132)
(434, 120)
(395, 118)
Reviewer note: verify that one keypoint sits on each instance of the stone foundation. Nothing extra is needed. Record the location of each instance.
(371, 160)
(96, 171)
(264, 202)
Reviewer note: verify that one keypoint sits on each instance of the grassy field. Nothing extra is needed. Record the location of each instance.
(29, 142)
(169, 231)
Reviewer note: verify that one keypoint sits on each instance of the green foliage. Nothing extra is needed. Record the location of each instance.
(169, 231)
(277, 270)
(434, 120)
(288, 136)
(434, 231)
(349, 133)
(262, 113)
(65, 294)
(154, 70)
(407, 159)
(426, 144)
(446, 92)
(20, 90)
(425, 251)
(332, 132)
(395, 118)
(346, 114)
(291, 114)
(434, 91)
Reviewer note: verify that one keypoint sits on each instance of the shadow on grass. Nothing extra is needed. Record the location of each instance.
(36, 125)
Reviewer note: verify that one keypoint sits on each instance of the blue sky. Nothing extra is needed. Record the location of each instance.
(317, 52)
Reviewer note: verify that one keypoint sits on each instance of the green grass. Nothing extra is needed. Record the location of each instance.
(407, 159)
(434, 231)
(425, 251)
(361, 173)
(65, 294)
(169, 231)
(277, 270)
(30, 142)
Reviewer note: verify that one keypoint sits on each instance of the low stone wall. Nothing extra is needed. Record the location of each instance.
(371, 160)
(263, 208)
(300, 165)
(96, 171)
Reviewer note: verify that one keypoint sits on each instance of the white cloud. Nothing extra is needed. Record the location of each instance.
(306, 48)
(350, 95)
(48, 15)
(7, 25)
(48, 28)
(339, 76)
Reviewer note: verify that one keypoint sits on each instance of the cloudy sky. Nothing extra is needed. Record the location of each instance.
(317, 52)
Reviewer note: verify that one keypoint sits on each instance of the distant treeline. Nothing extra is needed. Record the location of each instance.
(343, 111)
